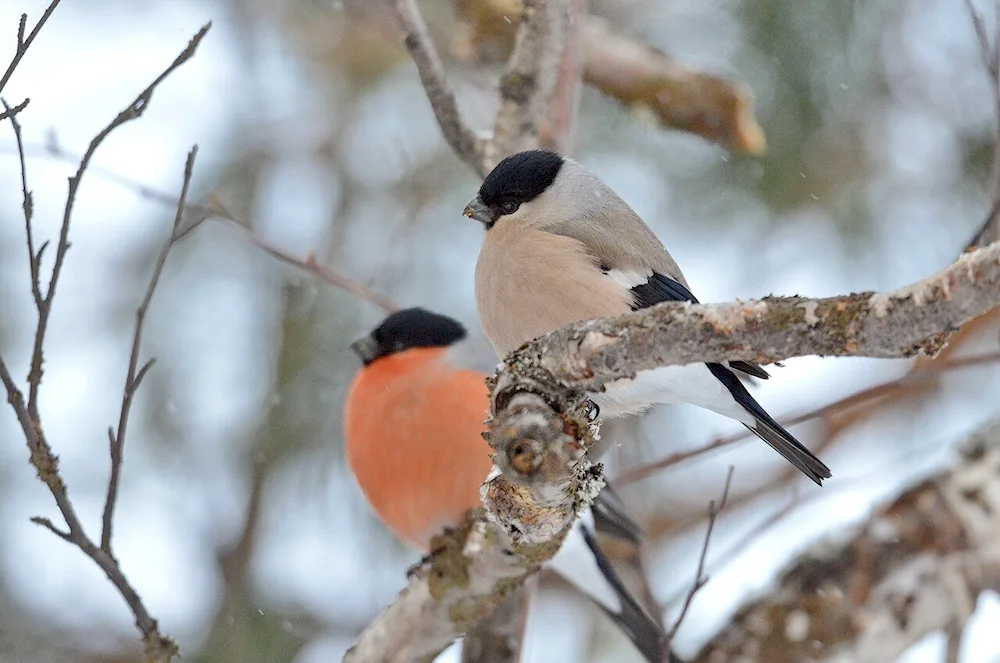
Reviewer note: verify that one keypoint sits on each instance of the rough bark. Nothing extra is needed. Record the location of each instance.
(915, 567)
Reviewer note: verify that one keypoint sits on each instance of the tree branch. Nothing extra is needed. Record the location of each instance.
(529, 510)
(158, 648)
(526, 88)
(23, 43)
(131, 112)
(457, 134)
(915, 567)
(900, 323)
(677, 96)
(134, 375)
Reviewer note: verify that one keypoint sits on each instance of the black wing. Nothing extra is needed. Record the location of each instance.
(659, 288)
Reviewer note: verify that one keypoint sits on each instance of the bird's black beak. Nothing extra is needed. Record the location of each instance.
(480, 212)
(366, 348)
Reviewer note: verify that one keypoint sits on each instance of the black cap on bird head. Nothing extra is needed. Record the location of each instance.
(407, 329)
(518, 179)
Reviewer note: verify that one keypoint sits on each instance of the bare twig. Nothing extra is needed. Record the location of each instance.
(215, 210)
(133, 111)
(11, 112)
(310, 265)
(989, 231)
(456, 132)
(23, 43)
(159, 649)
(825, 412)
(27, 206)
(134, 375)
(527, 86)
(700, 579)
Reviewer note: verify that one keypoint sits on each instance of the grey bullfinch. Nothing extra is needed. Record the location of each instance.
(561, 247)
(413, 422)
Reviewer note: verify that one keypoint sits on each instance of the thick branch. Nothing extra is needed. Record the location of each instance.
(900, 323)
(472, 570)
(677, 96)
(915, 567)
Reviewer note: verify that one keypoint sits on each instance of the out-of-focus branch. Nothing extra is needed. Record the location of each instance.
(158, 648)
(678, 96)
(214, 209)
(309, 264)
(528, 85)
(915, 567)
(989, 231)
(23, 43)
(456, 132)
(636, 74)
(557, 127)
(529, 510)
(135, 373)
(700, 579)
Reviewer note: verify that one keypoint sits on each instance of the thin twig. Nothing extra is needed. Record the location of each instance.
(466, 145)
(158, 648)
(131, 112)
(27, 205)
(11, 112)
(700, 579)
(310, 265)
(24, 42)
(134, 375)
(825, 412)
(216, 211)
(989, 231)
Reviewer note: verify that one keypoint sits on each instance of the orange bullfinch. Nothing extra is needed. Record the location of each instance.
(562, 247)
(414, 421)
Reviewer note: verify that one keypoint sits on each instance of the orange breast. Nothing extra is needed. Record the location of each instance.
(413, 428)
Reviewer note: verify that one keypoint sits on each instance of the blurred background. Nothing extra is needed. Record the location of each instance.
(238, 522)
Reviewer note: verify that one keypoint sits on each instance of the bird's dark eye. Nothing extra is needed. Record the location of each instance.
(509, 207)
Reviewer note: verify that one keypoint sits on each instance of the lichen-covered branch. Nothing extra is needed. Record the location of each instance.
(900, 323)
(474, 568)
(915, 567)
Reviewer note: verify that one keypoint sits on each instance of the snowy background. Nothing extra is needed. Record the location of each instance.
(314, 131)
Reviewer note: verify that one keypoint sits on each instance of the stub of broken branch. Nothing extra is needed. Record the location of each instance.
(472, 569)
